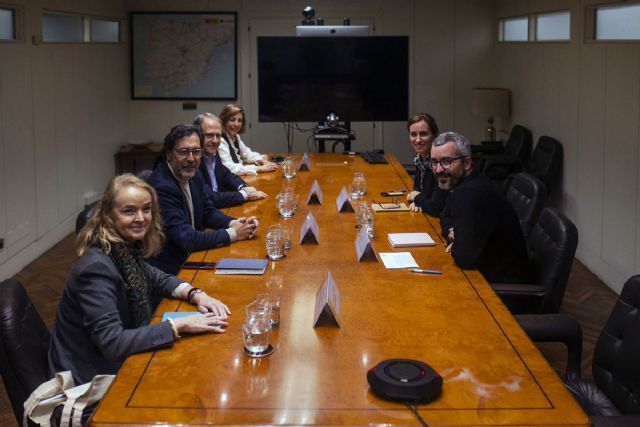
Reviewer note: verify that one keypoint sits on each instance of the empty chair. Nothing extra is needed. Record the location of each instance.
(613, 397)
(527, 195)
(513, 158)
(552, 246)
(24, 344)
(546, 162)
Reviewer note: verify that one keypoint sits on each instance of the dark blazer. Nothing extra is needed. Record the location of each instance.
(182, 238)
(229, 184)
(93, 332)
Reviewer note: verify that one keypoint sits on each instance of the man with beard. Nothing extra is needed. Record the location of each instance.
(186, 206)
(479, 223)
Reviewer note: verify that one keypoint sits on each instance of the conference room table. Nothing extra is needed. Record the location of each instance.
(493, 374)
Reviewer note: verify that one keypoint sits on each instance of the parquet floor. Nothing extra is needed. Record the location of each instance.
(586, 298)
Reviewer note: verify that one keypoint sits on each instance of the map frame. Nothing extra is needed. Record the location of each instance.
(137, 60)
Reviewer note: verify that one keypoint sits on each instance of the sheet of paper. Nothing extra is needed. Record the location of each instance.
(394, 260)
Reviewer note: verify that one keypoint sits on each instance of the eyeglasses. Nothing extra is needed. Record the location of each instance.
(213, 135)
(184, 152)
(421, 135)
(444, 163)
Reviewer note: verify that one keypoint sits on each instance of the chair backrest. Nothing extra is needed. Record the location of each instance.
(552, 246)
(84, 216)
(546, 162)
(144, 174)
(519, 143)
(526, 194)
(616, 358)
(24, 345)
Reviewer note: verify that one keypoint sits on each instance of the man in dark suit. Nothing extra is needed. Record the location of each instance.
(228, 188)
(185, 203)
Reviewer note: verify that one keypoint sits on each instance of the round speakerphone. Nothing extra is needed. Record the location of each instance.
(405, 379)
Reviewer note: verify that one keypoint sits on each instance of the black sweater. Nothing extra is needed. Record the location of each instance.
(487, 233)
(432, 198)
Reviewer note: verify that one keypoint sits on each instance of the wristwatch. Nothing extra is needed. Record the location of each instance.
(192, 293)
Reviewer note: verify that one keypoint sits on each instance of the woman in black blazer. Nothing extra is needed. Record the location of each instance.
(111, 292)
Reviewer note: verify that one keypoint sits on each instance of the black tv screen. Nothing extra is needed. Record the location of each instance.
(302, 79)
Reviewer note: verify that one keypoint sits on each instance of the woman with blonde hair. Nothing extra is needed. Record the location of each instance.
(235, 155)
(105, 311)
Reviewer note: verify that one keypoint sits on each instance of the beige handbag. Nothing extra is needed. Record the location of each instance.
(60, 390)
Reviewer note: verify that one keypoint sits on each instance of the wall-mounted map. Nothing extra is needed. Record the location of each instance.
(183, 55)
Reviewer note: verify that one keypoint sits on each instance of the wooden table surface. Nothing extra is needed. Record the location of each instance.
(493, 374)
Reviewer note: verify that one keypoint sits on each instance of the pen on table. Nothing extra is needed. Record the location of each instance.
(421, 271)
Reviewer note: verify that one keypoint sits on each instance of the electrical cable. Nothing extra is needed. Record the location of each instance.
(414, 410)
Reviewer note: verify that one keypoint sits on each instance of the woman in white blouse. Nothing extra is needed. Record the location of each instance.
(234, 154)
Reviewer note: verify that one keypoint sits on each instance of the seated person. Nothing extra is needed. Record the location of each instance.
(479, 223)
(426, 195)
(185, 203)
(228, 188)
(107, 304)
(234, 154)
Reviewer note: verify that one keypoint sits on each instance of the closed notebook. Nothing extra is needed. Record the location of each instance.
(241, 266)
(403, 240)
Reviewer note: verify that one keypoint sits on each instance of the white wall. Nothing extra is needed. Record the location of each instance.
(586, 95)
(63, 115)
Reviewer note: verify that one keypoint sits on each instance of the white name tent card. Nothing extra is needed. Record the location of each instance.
(403, 240)
(305, 164)
(364, 250)
(315, 194)
(395, 260)
(342, 202)
(327, 311)
(309, 231)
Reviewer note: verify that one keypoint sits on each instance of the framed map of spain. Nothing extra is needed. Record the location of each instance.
(191, 55)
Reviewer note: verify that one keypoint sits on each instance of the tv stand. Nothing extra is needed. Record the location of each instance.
(336, 134)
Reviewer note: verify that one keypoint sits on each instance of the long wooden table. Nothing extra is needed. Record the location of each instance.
(493, 374)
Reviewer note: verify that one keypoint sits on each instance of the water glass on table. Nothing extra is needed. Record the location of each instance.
(256, 331)
(274, 242)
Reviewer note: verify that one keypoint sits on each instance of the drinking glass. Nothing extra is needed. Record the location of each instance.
(256, 331)
(365, 218)
(286, 204)
(274, 242)
(289, 168)
(287, 235)
(272, 300)
(359, 184)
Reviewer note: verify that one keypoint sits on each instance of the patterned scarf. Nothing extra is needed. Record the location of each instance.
(234, 156)
(422, 167)
(129, 260)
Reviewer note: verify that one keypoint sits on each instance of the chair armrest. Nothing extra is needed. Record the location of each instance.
(556, 328)
(518, 289)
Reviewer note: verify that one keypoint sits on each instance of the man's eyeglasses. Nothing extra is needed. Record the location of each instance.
(444, 163)
(213, 135)
(184, 152)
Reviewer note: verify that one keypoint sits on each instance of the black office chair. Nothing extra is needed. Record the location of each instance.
(144, 174)
(512, 159)
(546, 162)
(527, 195)
(613, 397)
(85, 215)
(24, 344)
(552, 246)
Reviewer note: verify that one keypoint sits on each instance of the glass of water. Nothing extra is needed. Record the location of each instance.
(272, 300)
(274, 242)
(289, 168)
(286, 202)
(287, 235)
(365, 218)
(256, 331)
(359, 185)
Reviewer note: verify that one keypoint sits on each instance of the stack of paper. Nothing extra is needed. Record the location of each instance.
(393, 260)
(403, 240)
(241, 266)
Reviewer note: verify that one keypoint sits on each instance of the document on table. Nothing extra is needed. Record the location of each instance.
(394, 260)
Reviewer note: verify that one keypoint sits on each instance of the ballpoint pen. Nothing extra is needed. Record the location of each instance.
(421, 271)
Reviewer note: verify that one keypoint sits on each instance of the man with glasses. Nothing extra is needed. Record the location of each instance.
(186, 206)
(228, 188)
(479, 223)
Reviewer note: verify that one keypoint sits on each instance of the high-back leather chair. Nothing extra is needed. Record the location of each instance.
(527, 195)
(613, 397)
(513, 158)
(546, 162)
(24, 345)
(552, 247)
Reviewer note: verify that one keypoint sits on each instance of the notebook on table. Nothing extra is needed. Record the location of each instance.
(241, 266)
(403, 240)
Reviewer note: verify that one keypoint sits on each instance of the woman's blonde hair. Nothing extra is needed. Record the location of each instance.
(100, 230)
(229, 111)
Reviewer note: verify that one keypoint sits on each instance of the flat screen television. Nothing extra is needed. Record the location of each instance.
(361, 79)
